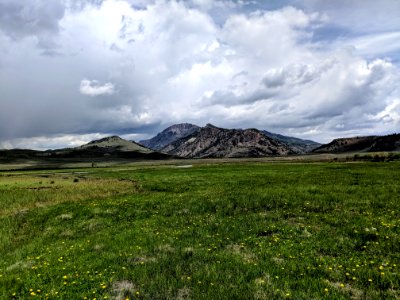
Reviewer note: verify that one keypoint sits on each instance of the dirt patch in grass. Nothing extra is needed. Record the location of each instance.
(123, 289)
(350, 291)
(242, 252)
(183, 294)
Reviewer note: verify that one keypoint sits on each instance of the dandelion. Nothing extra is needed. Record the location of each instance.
(369, 280)
(326, 290)
(33, 294)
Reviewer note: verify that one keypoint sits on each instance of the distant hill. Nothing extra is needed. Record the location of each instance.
(109, 148)
(169, 135)
(297, 145)
(115, 143)
(361, 144)
(211, 141)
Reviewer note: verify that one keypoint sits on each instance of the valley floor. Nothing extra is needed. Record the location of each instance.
(211, 230)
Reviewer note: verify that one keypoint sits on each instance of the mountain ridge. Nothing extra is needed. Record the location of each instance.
(178, 131)
(214, 142)
(206, 142)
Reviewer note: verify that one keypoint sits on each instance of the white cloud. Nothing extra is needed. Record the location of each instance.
(375, 44)
(94, 88)
(159, 62)
(50, 142)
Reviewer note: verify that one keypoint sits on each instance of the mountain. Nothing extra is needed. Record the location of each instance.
(299, 146)
(362, 144)
(170, 135)
(211, 141)
(178, 131)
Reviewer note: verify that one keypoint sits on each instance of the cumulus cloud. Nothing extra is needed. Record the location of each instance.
(285, 68)
(94, 88)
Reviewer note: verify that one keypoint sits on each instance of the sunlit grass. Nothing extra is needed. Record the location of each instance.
(234, 231)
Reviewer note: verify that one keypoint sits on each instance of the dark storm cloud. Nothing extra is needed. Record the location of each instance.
(19, 19)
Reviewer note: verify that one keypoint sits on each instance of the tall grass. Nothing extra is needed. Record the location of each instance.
(232, 231)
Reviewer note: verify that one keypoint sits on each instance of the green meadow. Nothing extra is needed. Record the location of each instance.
(236, 230)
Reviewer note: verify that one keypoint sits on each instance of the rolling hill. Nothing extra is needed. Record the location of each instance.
(361, 144)
(109, 148)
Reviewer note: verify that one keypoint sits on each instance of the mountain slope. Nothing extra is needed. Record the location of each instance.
(115, 142)
(362, 144)
(170, 135)
(110, 147)
(299, 146)
(211, 141)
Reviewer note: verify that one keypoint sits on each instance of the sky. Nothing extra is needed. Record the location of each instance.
(72, 71)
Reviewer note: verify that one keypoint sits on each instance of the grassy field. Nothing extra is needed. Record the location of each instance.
(249, 230)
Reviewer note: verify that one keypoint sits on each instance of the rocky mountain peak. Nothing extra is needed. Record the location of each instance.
(170, 135)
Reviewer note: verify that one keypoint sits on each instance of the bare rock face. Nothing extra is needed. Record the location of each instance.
(214, 142)
(362, 144)
(170, 135)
